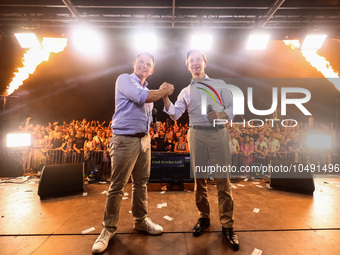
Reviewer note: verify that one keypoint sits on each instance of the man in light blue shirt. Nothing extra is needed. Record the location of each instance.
(130, 148)
(209, 144)
(132, 113)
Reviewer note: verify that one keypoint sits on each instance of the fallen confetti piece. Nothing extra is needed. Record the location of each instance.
(256, 252)
(245, 179)
(255, 182)
(87, 230)
(126, 194)
(241, 185)
(124, 198)
(168, 218)
(259, 186)
(84, 194)
(130, 211)
(234, 187)
(162, 205)
(163, 192)
(256, 210)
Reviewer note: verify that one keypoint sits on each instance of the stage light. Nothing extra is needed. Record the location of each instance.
(258, 41)
(18, 140)
(28, 40)
(201, 42)
(87, 41)
(54, 44)
(319, 141)
(145, 42)
(313, 42)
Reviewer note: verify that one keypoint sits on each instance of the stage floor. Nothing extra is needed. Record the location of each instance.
(286, 223)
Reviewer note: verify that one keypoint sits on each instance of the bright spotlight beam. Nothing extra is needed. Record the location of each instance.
(87, 41)
(258, 41)
(313, 42)
(28, 40)
(201, 42)
(18, 140)
(145, 42)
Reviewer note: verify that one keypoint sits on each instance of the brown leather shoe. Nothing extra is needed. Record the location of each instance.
(231, 238)
(200, 226)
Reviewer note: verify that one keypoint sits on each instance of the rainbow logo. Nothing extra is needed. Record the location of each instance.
(209, 93)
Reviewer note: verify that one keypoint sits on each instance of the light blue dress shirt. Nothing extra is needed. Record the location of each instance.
(132, 115)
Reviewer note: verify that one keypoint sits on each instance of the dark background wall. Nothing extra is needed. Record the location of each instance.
(70, 86)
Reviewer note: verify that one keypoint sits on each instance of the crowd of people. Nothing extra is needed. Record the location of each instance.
(74, 142)
(79, 141)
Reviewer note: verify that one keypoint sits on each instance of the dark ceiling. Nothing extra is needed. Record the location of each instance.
(282, 17)
(73, 86)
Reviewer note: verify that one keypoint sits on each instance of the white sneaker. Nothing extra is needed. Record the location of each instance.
(149, 227)
(102, 241)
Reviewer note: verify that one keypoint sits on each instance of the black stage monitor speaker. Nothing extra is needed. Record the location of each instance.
(57, 180)
(296, 180)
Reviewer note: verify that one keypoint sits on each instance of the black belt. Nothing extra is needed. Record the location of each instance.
(139, 135)
(208, 127)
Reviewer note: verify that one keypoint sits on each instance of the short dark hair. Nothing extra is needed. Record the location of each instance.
(147, 54)
(194, 51)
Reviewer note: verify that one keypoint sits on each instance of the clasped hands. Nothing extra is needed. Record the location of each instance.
(168, 88)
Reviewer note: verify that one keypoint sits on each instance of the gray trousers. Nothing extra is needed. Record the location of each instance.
(211, 148)
(130, 156)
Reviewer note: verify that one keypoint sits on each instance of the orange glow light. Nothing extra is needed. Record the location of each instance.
(315, 60)
(33, 57)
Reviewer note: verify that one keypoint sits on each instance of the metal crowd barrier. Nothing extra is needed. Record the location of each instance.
(316, 157)
(98, 161)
